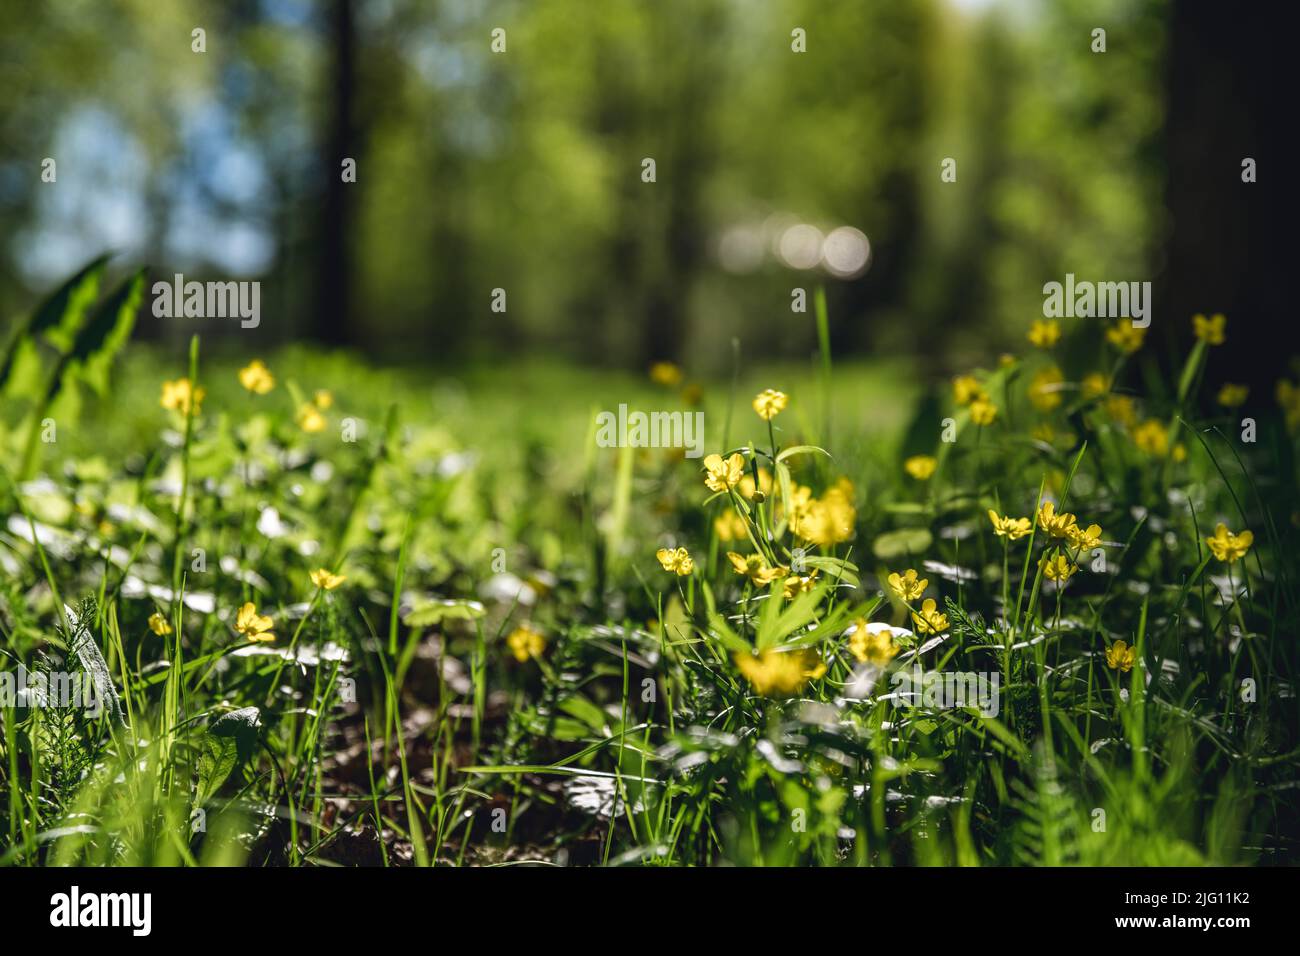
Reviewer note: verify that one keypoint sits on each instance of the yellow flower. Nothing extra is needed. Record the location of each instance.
(828, 521)
(1044, 333)
(769, 403)
(1059, 569)
(158, 624)
(722, 475)
(1057, 525)
(730, 526)
(795, 584)
(966, 389)
(983, 412)
(1227, 546)
(1008, 527)
(1094, 385)
(1085, 539)
(676, 560)
(747, 486)
(1152, 437)
(253, 626)
(907, 586)
(779, 673)
(525, 642)
(310, 419)
(1121, 657)
(921, 467)
(1045, 389)
(755, 568)
(1120, 408)
(1125, 336)
(323, 399)
(875, 646)
(929, 621)
(1210, 331)
(1288, 398)
(324, 578)
(181, 396)
(256, 377)
(665, 373)
(1233, 396)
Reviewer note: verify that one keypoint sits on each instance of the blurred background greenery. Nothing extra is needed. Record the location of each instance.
(522, 170)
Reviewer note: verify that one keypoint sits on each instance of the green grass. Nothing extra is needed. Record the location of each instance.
(389, 722)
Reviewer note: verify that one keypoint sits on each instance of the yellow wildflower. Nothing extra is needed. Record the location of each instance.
(1210, 331)
(1233, 396)
(1121, 657)
(158, 624)
(1058, 569)
(747, 485)
(253, 626)
(1288, 398)
(182, 396)
(730, 526)
(1058, 525)
(1045, 389)
(872, 643)
(324, 578)
(769, 403)
(779, 673)
(829, 521)
(1085, 539)
(524, 642)
(323, 399)
(1044, 333)
(722, 475)
(256, 377)
(1094, 385)
(921, 467)
(1008, 527)
(1120, 408)
(966, 389)
(928, 620)
(983, 412)
(908, 586)
(1152, 437)
(676, 560)
(665, 373)
(755, 568)
(795, 584)
(310, 419)
(1125, 336)
(1227, 546)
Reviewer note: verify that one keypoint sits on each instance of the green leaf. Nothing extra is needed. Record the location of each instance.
(801, 450)
(429, 613)
(59, 318)
(228, 742)
(100, 341)
(901, 543)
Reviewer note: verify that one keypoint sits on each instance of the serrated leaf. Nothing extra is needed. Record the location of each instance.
(228, 742)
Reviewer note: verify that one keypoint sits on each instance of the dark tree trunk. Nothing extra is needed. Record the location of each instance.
(334, 280)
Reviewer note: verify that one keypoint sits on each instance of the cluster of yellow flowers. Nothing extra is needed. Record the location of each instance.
(908, 587)
(967, 391)
(183, 396)
(525, 642)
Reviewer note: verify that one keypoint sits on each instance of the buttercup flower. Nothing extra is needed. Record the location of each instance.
(730, 526)
(1210, 331)
(779, 673)
(158, 624)
(769, 403)
(1045, 389)
(665, 373)
(253, 626)
(829, 520)
(310, 419)
(1058, 569)
(1288, 398)
(755, 568)
(323, 398)
(1120, 408)
(1057, 525)
(747, 486)
(1229, 547)
(966, 389)
(182, 397)
(1233, 396)
(1152, 437)
(676, 560)
(1121, 657)
(872, 643)
(928, 620)
(921, 467)
(1008, 527)
(720, 474)
(524, 642)
(1044, 333)
(256, 377)
(795, 584)
(1125, 336)
(324, 578)
(907, 586)
(983, 412)
(1094, 385)
(1084, 539)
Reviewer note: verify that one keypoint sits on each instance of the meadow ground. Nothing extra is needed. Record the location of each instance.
(333, 613)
